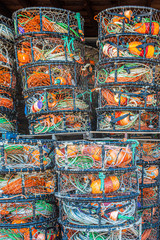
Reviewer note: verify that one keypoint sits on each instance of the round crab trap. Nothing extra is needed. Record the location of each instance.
(55, 75)
(130, 73)
(105, 215)
(26, 211)
(7, 77)
(45, 48)
(46, 20)
(128, 120)
(102, 186)
(149, 216)
(150, 233)
(60, 122)
(6, 28)
(133, 232)
(129, 47)
(6, 53)
(149, 195)
(95, 155)
(148, 173)
(27, 185)
(53, 100)
(41, 231)
(129, 20)
(25, 155)
(128, 96)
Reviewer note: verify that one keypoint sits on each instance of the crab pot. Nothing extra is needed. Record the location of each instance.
(95, 155)
(129, 20)
(127, 73)
(8, 122)
(45, 49)
(150, 215)
(56, 100)
(97, 215)
(34, 231)
(7, 77)
(25, 155)
(26, 211)
(6, 53)
(55, 75)
(129, 120)
(7, 101)
(106, 186)
(128, 96)
(28, 184)
(129, 47)
(150, 233)
(6, 27)
(149, 195)
(133, 232)
(60, 122)
(47, 20)
(148, 173)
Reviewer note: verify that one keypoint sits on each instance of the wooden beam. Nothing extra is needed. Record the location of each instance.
(5, 10)
(56, 3)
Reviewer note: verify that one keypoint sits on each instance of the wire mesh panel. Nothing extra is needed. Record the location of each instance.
(7, 77)
(133, 231)
(6, 28)
(7, 123)
(129, 19)
(7, 101)
(48, 20)
(128, 120)
(129, 73)
(149, 196)
(57, 75)
(6, 53)
(149, 216)
(60, 122)
(95, 155)
(148, 173)
(31, 232)
(129, 96)
(108, 186)
(45, 48)
(129, 47)
(25, 155)
(150, 233)
(53, 100)
(27, 212)
(27, 184)
(99, 215)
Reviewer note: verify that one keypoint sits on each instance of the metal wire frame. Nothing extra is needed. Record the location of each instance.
(27, 185)
(128, 73)
(8, 122)
(55, 75)
(29, 211)
(100, 187)
(26, 155)
(97, 216)
(7, 77)
(46, 101)
(48, 21)
(128, 96)
(150, 216)
(128, 19)
(129, 47)
(45, 230)
(130, 120)
(6, 53)
(133, 232)
(6, 28)
(151, 233)
(61, 122)
(44, 48)
(149, 195)
(85, 156)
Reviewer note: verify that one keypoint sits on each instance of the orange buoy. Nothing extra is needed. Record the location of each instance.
(60, 81)
(111, 184)
(23, 57)
(145, 28)
(119, 156)
(125, 121)
(72, 150)
(129, 15)
(152, 172)
(134, 49)
(19, 221)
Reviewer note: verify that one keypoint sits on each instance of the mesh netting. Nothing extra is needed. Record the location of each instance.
(6, 28)
(6, 53)
(149, 196)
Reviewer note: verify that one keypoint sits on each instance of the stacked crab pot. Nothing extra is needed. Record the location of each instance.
(127, 75)
(148, 174)
(7, 76)
(49, 54)
(97, 189)
(27, 205)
